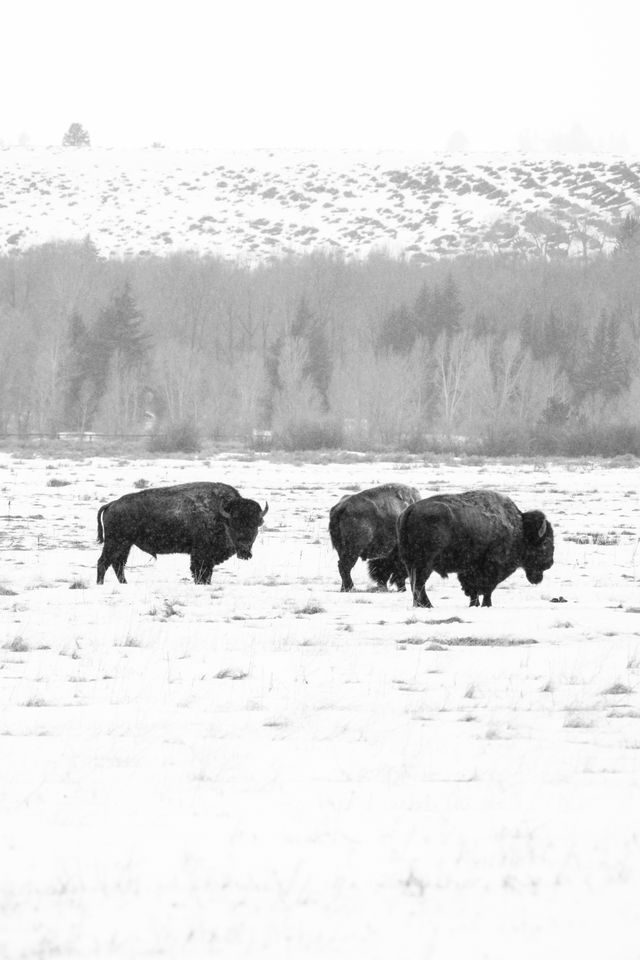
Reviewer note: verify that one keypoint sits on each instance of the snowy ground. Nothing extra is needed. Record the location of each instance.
(267, 768)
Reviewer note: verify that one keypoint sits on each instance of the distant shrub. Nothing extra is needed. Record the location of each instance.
(310, 434)
(176, 438)
(421, 443)
(54, 482)
(568, 440)
(604, 440)
(586, 440)
(507, 441)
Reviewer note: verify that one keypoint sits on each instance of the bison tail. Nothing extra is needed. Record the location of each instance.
(100, 524)
(381, 568)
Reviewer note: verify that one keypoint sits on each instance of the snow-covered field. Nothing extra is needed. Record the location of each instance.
(267, 768)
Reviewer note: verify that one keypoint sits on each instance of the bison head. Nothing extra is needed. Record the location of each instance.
(538, 545)
(242, 518)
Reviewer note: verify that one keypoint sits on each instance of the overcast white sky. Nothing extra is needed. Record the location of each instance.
(491, 74)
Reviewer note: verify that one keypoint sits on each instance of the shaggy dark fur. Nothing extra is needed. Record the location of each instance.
(480, 535)
(363, 525)
(209, 521)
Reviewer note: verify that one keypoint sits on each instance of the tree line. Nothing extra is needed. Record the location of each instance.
(507, 353)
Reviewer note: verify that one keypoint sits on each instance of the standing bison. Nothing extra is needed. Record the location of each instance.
(480, 535)
(209, 521)
(364, 525)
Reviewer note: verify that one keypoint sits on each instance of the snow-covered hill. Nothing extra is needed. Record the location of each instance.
(261, 204)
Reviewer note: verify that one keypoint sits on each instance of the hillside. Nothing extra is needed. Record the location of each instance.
(257, 205)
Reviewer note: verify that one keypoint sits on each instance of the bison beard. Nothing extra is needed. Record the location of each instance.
(480, 535)
(209, 521)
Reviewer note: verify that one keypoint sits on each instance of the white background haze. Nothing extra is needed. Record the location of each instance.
(409, 75)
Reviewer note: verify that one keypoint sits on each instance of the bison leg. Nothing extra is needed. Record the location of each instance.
(118, 569)
(470, 587)
(345, 566)
(399, 574)
(486, 590)
(119, 561)
(389, 569)
(201, 568)
(113, 558)
(419, 576)
(103, 565)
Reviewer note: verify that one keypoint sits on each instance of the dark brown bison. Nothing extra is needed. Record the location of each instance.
(480, 535)
(363, 525)
(209, 521)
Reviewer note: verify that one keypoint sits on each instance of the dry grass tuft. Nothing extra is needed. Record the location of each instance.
(17, 645)
(576, 721)
(230, 674)
(309, 608)
(617, 689)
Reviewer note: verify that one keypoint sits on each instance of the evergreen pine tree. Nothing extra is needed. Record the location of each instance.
(607, 369)
(615, 370)
(449, 307)
(75, 373)
(120, 331)
(423, 314)
(308, 327)
(76, 136)
(441, 310)
(530, 333)
(628, 235)
(398, 331)
(119, 349)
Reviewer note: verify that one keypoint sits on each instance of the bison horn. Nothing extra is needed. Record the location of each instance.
(223, 513)
(542, 529)
(266, 508)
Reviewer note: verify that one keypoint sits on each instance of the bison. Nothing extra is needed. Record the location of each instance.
(480, 535)
(364, 525)
(209, 521)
